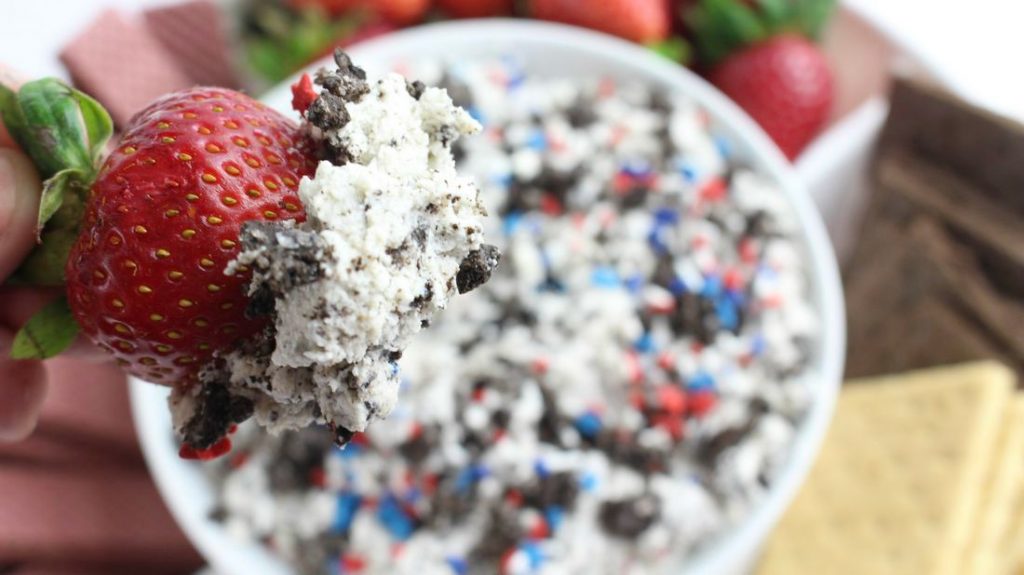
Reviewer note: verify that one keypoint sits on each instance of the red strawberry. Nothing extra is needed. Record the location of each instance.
(475, 8)
(401, 12)
(784, 84)
(145, 278)
(637, 20)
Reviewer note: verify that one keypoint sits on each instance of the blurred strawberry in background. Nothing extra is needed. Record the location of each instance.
(762, 54)
(475, 8)
(638, 20)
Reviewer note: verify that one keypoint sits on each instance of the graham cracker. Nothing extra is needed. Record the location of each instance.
(896, 489)
(999, 511)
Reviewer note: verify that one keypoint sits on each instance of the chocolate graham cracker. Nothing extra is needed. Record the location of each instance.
(937, 274)
(929, 304)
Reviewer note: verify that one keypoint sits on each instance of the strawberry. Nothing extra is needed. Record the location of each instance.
(784, 84)
(145, 279)
(475, 8)
(637, 20)
(761, 54)
(401, 12)
(143, 240)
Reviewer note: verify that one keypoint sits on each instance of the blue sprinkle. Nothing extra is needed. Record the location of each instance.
(470, 475)
(534, 553)
(553, 514)
(350, 451)
(537, 141)
(688, 171)
(636, 169)
(604, 276)
(757, 345)
(727, 314)
(348, 506)
(476, 114)
(666, 216)
(589, 424)
(701, 381)
(677, 286)
(391, 514)
(458, 565)
(635, 283)
(504, 180)
(724, 146)
(551, 284)
(513, 220)
(588, 482)
(737, 297)
(644, 343)
(712, 286)
(394, 368)
(656, 242)
(541, 469)
(413, 494)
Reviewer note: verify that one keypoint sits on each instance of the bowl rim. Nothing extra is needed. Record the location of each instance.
(737, 548)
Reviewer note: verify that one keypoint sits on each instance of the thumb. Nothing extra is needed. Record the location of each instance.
(19, 204)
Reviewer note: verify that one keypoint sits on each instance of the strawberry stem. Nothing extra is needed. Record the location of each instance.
(64, 132)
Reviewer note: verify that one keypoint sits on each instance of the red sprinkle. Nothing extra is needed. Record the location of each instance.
(748, 250)
(540, 366)
(352, 563)
(672, 424)
(672, 399)
(550, 205)
(239, 460)
(506, 560)
(232, 429)
(701, 402)
(498, 435)
(415, 430)
(214, 451)
(317, 477)
(666, 360)
(539, 530)
(733, 279)
(634, 370)
(430, 482)
(303, 94)
(713, 190)
(397, 549)
(514, 498)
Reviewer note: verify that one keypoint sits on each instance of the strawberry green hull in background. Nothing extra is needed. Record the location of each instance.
(761, 53)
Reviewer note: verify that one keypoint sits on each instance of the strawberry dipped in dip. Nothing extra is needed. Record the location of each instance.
(257, 267)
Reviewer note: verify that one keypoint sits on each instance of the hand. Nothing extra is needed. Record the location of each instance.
(22, 383)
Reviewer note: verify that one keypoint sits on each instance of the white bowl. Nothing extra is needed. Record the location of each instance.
(549, 49)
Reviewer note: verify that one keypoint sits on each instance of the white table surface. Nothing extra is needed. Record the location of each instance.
(973, 45)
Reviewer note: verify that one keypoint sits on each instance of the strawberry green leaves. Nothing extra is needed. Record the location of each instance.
(48, 333)
(64, 132)
(723, 27)
(58, 127)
